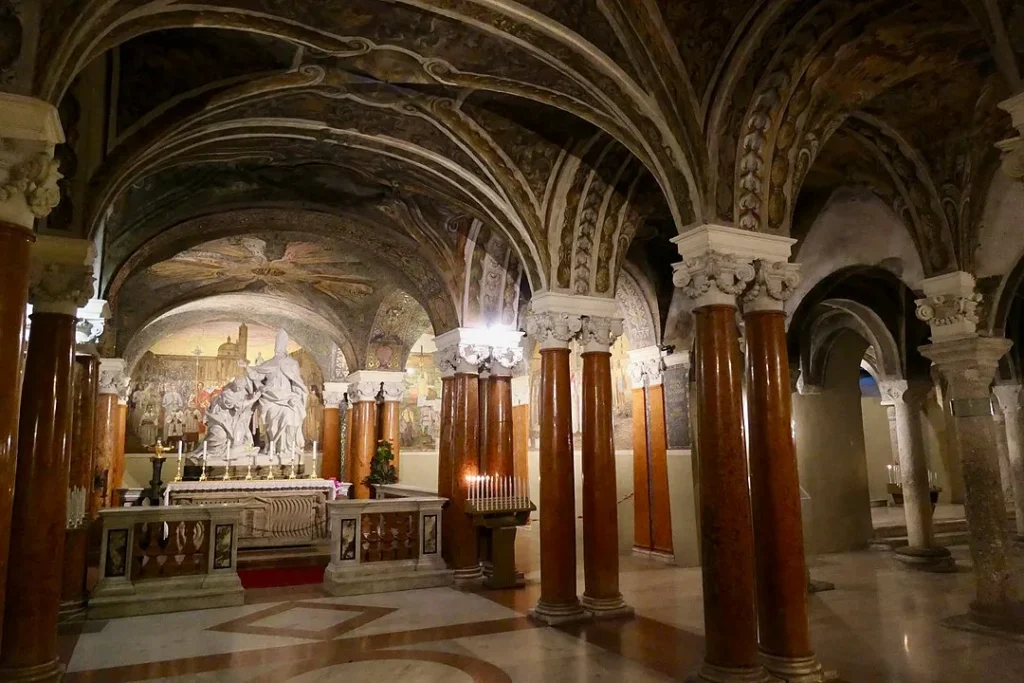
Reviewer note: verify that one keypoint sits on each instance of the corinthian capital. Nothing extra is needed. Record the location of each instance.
(597, 334)
(29, 129)
(554, 330)
(113, 376)
(713, 278)
(61, 275)
(334, 394)
(646, 367)
(774, 282)
(950, 306)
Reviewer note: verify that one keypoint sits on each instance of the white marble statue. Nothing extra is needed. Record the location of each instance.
(282, 400)
(227, 422)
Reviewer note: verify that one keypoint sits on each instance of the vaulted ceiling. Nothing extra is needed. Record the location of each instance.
(544, 141)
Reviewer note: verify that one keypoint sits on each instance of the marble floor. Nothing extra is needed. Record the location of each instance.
(894, 516)
(881, 624)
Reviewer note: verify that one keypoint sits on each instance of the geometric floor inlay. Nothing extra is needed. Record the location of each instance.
(309, 620)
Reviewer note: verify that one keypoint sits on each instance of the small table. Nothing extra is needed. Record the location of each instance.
(499, 525)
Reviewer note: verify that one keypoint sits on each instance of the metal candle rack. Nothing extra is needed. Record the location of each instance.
(493, 493)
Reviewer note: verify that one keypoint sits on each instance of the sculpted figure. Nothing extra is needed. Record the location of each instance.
(227, 421)
(283, 399)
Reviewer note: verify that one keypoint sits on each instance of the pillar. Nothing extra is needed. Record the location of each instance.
(460, 353)
(29, 129)
(347, 439)
(391, 416)
(362, 391)
(112, 381)
(652, 513)
(60, 281)
(1008, 396)
(521, 427)
(921, 551)
(76, 536)
(781, 578)
(601, 596)
(499, 447)
(330, 463)
(1005, 477)
(716, 268)
(117, 466)
(967, 362)
(553, 330)
(445, 473)
(484, 394)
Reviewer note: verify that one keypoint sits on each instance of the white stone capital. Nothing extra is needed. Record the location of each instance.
(1008, 396)
(334, 394)
(462, 350)
(553, 330)
(29, 130)
(521, 391)
(718, 262)
(364, 385)
(646, 367)
(597, 334)
(61, 276)
(92, 321)
(893, 391)
(113, 376)
(774, 282)
(950, 306)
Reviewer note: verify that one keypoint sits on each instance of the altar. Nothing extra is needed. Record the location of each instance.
(275, 513)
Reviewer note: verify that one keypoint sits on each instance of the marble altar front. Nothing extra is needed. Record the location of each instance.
(275, 513)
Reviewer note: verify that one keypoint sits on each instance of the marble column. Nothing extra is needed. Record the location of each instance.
(921, 551)
(968, 362)
(446, 483)
(1008, 396)
(717, 267)
(553, 330)
(29, 129)
(782, 577)
(76, 536)
(520, 387)
(460, 353)
(330, 463)
(60, 282)
(601, 596)
(391, 416)
(498, 455)
(999, 420)
(347, 438)
(117, 465)
(362, 392)
(112, 381)
(484, 394)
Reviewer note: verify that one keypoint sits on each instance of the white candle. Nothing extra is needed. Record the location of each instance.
(179, 450)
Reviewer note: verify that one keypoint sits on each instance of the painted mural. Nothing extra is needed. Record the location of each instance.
(177, 379)
(421, 404)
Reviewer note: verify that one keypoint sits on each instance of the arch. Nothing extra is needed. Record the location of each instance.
(634, 297)
(829, 319)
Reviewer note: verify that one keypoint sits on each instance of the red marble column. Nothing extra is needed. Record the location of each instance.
(600, 500)
(500, 459)
(465, 456)
(558, 600)
(484, 396)
(14, 244)
(104, 449)
(727, 543)
(349, 412)
(330, 466)
(29, 648)
(445, 473)
(118, 464)
(76, 536)
(363, 436)
(391, 418)
(775, 496)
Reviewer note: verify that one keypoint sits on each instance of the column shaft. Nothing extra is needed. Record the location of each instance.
(484, 398)
(80, 487)
(14, 244)
(643, 520)
(775, 501)
(661, 506)
(364, 441)
(445, 472)
(29, 648)
(1016, 459)
(917, 505)
(499, 450)
(118, 464)
(349, 440)
(600, 501)
(727, 544)
(465, 457)
(330, 466)
(390, 424)
(558, 599)
(104, 450)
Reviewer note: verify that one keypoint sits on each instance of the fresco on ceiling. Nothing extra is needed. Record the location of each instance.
(269, 264)
(399, 322)
(179, 376)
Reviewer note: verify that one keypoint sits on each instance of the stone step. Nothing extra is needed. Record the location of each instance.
(947, 532)
(941, 526)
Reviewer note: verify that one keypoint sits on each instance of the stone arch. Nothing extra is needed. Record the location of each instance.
(399, 322)
(640, 325)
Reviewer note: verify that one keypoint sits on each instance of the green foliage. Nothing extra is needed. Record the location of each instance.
(381, 469)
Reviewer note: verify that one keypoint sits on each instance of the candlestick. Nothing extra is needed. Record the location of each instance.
(177, 477)
(291, 475)
(227, 462)
(202, 477)
(248, 471)
(270, 470)
(312, 475)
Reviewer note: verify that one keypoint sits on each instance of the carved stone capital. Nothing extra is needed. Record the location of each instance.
(61, 275)
(554, 330)
(393, 391)
(29, 130)
(713, 278)
(646, 367)
(968, 364)
(1008, 396)
(92, 322)
(365, 385)
(893, 391)
(950, 306)
(774, 282)
(597, 334)
(505, 359)
(334, 394)
(363, 391)
(461, 358)
(113, 376)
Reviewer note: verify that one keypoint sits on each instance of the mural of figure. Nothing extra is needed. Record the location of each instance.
(313, 425)
(148, 428)
(192, 418)
(282, 400)
(174, 427)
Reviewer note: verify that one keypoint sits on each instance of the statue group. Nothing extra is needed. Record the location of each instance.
(272, 392)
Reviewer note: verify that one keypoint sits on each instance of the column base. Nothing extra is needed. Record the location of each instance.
(50, 672)
(936, 560)
(607, 608)
(72, 611)
(1008, 618)
(468, 575)
(710, 673)
(817, 586)
(657, 555)
(554, 614)
(797, 669)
